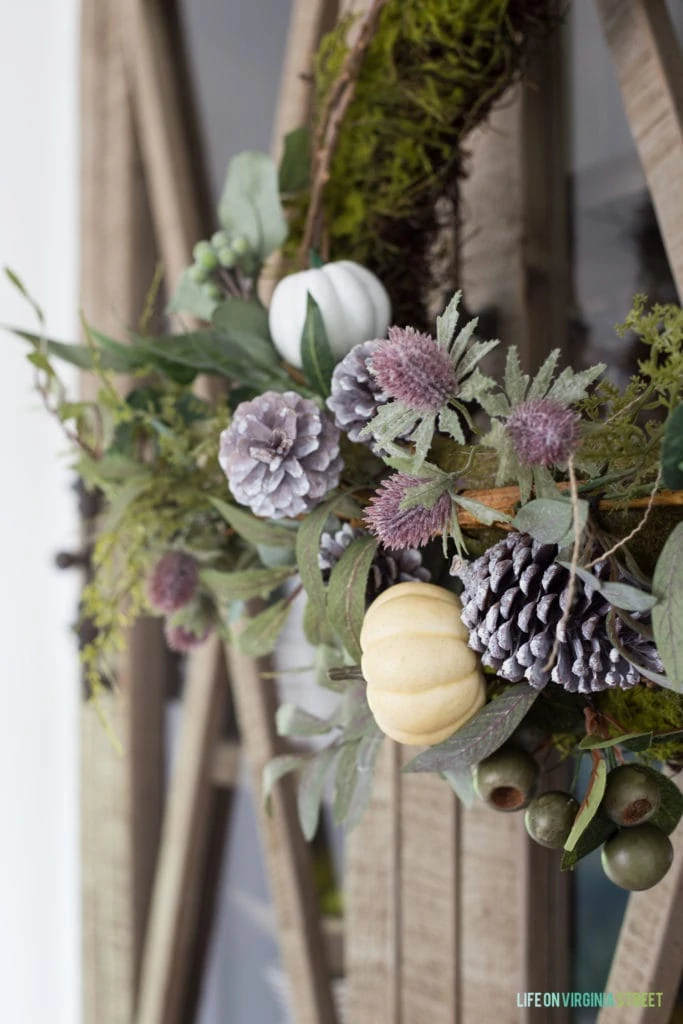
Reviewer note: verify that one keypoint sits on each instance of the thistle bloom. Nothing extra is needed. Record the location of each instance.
(543, 432)
(412, 368)
(183, 640)
(399, 528)
(173, 582)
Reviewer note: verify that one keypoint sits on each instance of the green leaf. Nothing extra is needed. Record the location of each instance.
(672, 451)
(591, 802)
(259, 635)
(209, 352)
(479, 737)
(619, 595)
(295, 166)
(475, 354)
(345, 775)
(461, 782)
(481, 512)
(253, 529)
(449, 422)
(426, 493)
(291, 720)
(571, 387)
(311, 788)
(495, 404)
(422, 439)
(548, 520)
(244, 324)
(597, 832)
(316, 625)
(597, 743)
(346, 592)
(241, 586)
(250, 203)
(316, 355)
(667, 614)
(277, 768)
(366, 760)
(190, 297)
(516, 382)
(671, 807)
(459, 346)
(448, 321)
(541, 381)
(392, 420)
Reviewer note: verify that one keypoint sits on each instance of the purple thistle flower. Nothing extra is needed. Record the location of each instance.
(412, 368)
(183, 640)
(543, 432)
(399, 528)
(173, 582)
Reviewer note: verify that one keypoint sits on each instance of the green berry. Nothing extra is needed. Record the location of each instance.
(220, 240)
(200, 249)
(197, 273)
(637, 858)
(212, 291)
(632, 796)
(226, 257)
(240, 245)
(507, 779)
(549, 818)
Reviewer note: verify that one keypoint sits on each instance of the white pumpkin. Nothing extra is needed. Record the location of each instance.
(424, 682)
(353, 303)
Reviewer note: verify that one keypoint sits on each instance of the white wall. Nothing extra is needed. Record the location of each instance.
(39, 886)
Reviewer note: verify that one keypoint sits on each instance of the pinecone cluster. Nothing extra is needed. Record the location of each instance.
(513, 603)
(388, 567)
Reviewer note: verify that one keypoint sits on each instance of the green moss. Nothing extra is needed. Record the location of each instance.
(430, 75)
(646, 709)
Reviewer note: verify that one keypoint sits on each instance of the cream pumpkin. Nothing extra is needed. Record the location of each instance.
(423, 680)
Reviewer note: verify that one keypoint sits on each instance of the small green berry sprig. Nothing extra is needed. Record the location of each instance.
(224, 266)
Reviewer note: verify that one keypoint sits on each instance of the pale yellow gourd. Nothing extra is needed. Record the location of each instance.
(423, 680)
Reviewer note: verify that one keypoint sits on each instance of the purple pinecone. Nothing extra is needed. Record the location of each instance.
(280, 455)
(513, 604)
(388, 567)
(356, 395)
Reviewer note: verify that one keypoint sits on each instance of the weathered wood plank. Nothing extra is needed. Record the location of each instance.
(185, 842)
(649, 67)
(121, 796)
(429, 892)
(287, 857)
(372, 903)
(649, 953)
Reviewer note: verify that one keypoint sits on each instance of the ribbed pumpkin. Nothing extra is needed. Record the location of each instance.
(423, 680)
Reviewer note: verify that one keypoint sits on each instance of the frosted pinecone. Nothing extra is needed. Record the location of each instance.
(356, 395)
(513, 603)
(280, 454)
(388, 567)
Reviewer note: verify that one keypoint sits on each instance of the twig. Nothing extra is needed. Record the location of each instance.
(331, 120)
(634, 531)
(576, 551)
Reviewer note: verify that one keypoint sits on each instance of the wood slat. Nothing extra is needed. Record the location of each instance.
(649, 67)
(649, 953)
(121, 796)
(372, 902)
(186, 837)
(287, 856)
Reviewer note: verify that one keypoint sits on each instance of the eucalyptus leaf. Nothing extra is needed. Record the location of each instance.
(277, 768)
(667, 614)
(591, 802)
(244, 324)
(250, 203)
(672, 450)
(345, 776)
(619, 595)
(316, 625)
(253, 529)
(482, 513)
(190, 297)
(316, 354)
(291, 720)
(259, 636)
(598, 830)
(549, 520)
(346, 592)
(479, 737)
(462, 783)
(243, 585)
(366, 760)
(627, 739)
(311, 788)
(295, 165)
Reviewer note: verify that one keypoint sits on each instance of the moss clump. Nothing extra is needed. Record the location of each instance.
(430, 75)
(645, 709)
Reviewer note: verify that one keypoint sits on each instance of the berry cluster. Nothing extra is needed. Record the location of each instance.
(639, 853)
(222, 264)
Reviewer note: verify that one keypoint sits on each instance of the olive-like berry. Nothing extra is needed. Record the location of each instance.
(220, 240)
(631, 796)
(507, 779)
(240, 245)
(549, 818)
(638, 857)
(213, 291)
(226, 257)
(198, 274)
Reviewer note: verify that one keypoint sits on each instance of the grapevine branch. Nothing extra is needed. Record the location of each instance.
(331, 119)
